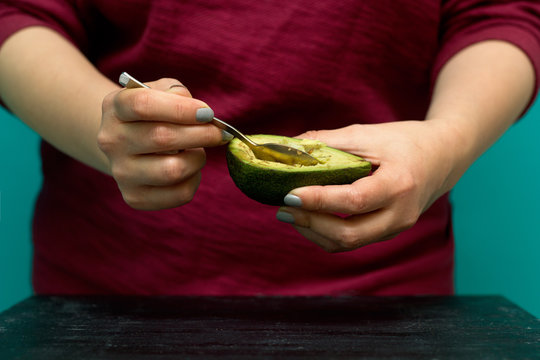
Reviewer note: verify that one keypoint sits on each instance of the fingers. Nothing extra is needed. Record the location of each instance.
(358, 139)
(151, 182)
(327, 245)
(179, 89)
(172, 86)
(334, 233)
(162, 197)
(159, 170)
(379, 206)
(142, 121)
(410, 175)
(346, 139)
(150, 137)
(169, 85)
(364, 195)
(156, 105)
(154, 140)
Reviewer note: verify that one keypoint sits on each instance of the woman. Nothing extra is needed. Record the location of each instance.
(420, 89)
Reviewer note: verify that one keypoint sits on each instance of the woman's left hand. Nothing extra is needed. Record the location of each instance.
(415, 163)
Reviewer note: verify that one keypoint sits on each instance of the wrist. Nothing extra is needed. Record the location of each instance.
(453, 139)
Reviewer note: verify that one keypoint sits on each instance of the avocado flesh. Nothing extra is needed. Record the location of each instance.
(268, 182)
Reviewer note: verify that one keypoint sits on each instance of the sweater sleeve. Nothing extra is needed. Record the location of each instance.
(465, 22)
(59, 15)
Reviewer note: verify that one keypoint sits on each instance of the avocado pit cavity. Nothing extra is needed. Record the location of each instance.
(268, 181)
(311, 147)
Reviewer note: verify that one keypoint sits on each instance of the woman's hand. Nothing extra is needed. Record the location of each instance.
(416, 162)
(478, 94)
(154, 140)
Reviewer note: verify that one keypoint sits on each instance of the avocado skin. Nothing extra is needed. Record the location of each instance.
(269, 186)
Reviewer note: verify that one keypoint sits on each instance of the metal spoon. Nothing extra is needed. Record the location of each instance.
(269, 151)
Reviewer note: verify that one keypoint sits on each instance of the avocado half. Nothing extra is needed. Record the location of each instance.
(268, 182)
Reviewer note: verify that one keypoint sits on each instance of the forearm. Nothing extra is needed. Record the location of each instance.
(478, 95)
(56, 91)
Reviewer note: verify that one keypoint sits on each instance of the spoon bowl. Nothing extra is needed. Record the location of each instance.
(270, 151)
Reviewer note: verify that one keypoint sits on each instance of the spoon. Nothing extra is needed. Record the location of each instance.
(268, 151)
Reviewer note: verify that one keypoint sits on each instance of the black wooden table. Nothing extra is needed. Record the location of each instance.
(268, 327)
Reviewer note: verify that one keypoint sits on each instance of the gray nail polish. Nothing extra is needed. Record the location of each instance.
(226, 136)
(292, 200)
(204, 115)
(285, 217)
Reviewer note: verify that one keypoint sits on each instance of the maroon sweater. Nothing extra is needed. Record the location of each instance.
(267, 67)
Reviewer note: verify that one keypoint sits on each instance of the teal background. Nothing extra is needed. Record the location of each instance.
(496, 213)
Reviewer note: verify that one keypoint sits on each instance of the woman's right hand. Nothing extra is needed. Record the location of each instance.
(154, 140)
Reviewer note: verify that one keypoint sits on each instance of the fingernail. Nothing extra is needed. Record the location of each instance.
(292, 200)
(285, 217)
(204, 114)
(226, 136)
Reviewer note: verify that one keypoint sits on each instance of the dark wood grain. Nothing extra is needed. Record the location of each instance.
(268, 327)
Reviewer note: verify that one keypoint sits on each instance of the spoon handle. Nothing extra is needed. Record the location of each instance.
(231, 130)
(130, 82)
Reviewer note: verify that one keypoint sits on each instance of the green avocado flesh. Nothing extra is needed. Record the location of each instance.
(268, 182)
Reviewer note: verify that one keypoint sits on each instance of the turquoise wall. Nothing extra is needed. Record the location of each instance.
(496, 210)
(19, 183)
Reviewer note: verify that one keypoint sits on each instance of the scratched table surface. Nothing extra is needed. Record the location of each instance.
(52, 327)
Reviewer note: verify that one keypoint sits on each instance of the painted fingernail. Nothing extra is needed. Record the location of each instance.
(204, 114)
(285, 217)
(226, 136)
(292, 200)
